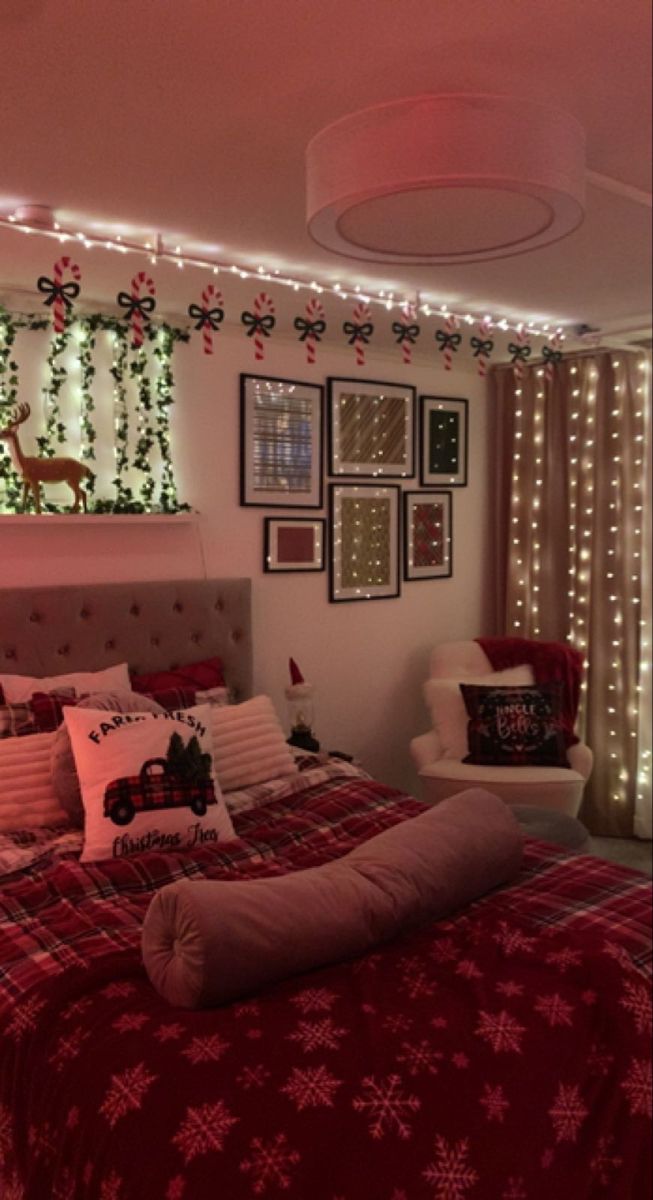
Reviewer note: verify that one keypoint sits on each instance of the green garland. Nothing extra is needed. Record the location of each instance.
(89, 436)
(152, 416)
(9, 479)
(163, 349)
(145, 433)
(124, 497)
(55, 430)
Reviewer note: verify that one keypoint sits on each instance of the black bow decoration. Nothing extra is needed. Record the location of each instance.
(405, 333)
(551, 355)
(206, 317)
(132, 304)
(65, 291)
(263, 325)
(313, 329)
(519, 353)
(448, 341)
(358, 333)
(481, 346)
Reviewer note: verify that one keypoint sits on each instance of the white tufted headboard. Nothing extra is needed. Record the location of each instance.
(152, 626)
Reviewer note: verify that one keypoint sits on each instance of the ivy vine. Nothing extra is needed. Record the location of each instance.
(124, 495)
(138, 370)
(55, 429)
(163, 349)
(9, 480)
(89, 437)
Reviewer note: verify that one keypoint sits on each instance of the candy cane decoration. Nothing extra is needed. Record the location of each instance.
(361, 316)
(450, 327)
(263, 307)
(59, 294)
(484, 347)
(208, 316)
(314, 312)
(408, 317)
(554, 355)
(521, 351)
(139, 307)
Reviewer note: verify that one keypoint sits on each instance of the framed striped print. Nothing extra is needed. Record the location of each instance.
(371, 428)
(280, 442)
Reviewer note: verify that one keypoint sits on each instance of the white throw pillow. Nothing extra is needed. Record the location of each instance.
(249, 745)
(445, 703)
(27, 797)
(147, 781)
(18, 688)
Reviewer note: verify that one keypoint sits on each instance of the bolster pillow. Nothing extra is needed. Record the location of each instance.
(210, 941)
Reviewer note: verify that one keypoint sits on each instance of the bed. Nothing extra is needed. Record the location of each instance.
(502, 1053)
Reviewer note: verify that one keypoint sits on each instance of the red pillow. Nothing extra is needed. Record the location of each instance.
(200, 676)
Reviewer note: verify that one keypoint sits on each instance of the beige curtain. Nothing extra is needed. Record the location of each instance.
(570, 477)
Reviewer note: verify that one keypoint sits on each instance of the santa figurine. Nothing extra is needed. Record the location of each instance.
(299, 695)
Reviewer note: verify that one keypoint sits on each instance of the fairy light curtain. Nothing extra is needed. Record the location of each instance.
(95, 397)
(572, 553)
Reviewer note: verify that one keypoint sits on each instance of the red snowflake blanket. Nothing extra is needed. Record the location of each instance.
(500, 1055)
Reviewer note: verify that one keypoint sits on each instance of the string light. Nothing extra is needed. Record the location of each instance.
(624, 430)
(157, 251)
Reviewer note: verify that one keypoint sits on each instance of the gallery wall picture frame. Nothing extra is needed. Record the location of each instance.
(294, 544)
(280, 442)
(371, 428)
(365, 541)
(428, 535)
(443, 436)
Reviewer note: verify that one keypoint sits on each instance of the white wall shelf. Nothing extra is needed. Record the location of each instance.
(25, 520)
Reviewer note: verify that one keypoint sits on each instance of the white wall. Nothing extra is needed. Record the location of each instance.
(366, 659)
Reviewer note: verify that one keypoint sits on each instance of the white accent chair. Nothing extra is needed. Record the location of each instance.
(556, 788)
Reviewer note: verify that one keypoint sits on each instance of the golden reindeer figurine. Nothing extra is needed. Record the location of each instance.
(36, 471)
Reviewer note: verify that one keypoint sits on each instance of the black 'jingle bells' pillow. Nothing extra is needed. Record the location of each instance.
(515, 726)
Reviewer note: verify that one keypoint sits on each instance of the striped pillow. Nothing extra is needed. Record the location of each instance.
(249, 745)
(27, 797)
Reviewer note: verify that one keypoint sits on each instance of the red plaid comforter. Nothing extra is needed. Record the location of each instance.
(503, 1054)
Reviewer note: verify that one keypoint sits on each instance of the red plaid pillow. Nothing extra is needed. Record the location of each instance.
(46, 708)
(41, 714)
(16, 720)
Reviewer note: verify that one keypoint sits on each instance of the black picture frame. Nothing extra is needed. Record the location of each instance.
(342, 588)
(368, 395)
(273, 564)
(290, 464)
(443, 435)
(414, 573)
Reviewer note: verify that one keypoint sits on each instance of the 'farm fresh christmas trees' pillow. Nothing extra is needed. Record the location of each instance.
(147, 781)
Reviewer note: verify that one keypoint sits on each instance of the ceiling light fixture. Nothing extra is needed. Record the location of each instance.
(446, 179)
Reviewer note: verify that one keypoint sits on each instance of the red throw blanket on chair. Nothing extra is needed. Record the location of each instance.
(552, 662)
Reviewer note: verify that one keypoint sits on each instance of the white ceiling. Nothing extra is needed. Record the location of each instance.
(190, 118)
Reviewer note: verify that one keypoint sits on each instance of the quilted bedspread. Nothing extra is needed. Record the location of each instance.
(502, 1054)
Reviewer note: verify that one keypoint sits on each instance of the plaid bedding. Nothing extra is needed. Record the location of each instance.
(502, 1054)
